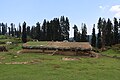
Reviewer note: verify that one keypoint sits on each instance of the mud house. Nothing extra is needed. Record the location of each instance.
(64, 48)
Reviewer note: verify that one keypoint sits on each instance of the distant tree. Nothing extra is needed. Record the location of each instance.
(0, 29)
(19, 31)
(38, 37)
(55, 29)
(78, 36)
(9, 31)
(24, 35)
(44, 27)
(84, 33)
(32, 32)
(119, 31)
(109, 33)
(59, 31)
(3, 29)
(103, 32)
(93, 40)
(12, 29)
(6, 28)
(49, 35)
(75, 32)
(67, 28)
(99, 41)
(102, 27)
(64, 24)
(51, 30)
(116, 35)
(99, 24)
(15, 32)
(28, 31)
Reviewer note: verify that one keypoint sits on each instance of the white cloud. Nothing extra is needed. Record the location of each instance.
(117, 15)
(116, 10)
(102, 7)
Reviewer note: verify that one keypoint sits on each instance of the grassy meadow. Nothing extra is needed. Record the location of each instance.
(40, 66)
(47, 67)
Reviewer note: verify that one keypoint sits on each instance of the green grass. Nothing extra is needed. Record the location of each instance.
(37, 43)
(3, 37)
(54, 68)
(112, 52)
(47, 67)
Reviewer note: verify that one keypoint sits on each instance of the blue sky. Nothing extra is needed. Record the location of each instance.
(78, 11)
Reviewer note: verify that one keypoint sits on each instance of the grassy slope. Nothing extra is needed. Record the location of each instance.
(111, 53)
(53, 68)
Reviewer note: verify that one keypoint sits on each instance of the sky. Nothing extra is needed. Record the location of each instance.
(78, 11)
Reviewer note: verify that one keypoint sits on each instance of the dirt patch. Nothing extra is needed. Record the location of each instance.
(56, 66)
(29, 51)
(35, 61)
(17, 63)
(70, 59)
(2, 58)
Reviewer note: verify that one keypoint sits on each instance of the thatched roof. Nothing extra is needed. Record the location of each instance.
(62, 46)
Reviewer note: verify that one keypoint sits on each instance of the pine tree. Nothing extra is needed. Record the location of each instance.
(64, 24)
(102, 27)
(0, 29)
(3, 29)
(44, 27)
(6, 28)
(38, 37)
(28, 31)
(84, 33)
(15, 32)
(99, 41)
(108, 35)
(93, 40)
(49, 37)
(119, 32)
(19, 32)
(12, 29)
(75, 32)
(116, 35)
(55, 29)
(9, 31)
(67, 27)
(24, 35)
(58, 30)
(99, 24)
(103, 32)
(32, 32)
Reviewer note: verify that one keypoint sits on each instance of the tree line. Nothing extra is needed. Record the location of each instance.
(54, 30)
(108, 33)
(58, 30)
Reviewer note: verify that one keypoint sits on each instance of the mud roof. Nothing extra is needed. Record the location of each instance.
(62, 45)
(78, 45)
